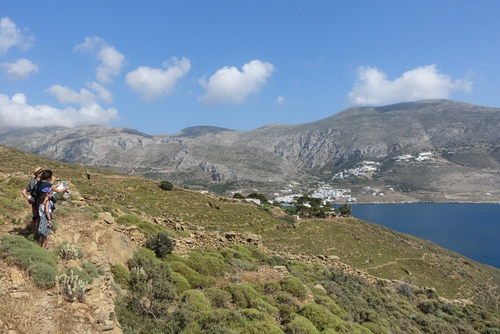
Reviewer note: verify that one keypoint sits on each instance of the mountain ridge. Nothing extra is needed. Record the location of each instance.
(272, 156)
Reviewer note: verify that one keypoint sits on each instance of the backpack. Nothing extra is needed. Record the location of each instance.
(34, 191)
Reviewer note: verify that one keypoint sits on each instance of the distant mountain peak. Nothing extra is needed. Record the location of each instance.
(198, 131)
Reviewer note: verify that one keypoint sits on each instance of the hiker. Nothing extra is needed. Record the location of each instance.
(46, 180)
(29, 193)
(45, 213)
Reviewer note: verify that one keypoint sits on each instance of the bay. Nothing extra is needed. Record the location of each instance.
(472, 230)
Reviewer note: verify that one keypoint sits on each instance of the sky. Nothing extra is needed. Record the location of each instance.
(162, 66)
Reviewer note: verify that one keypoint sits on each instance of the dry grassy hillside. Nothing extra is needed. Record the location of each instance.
(237, 257)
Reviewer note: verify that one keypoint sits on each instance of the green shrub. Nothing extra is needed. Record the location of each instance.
(293, 286)
(72, 287)
(259, 322)
(320, 317)
(239, 266)
(43, 274)
(120, 275)
(243, 294)
(181, 283)
(271, 288)
(93, 270)
(24, 252)
(196, 280)
(93, 211)
(329, 304)
(166, 185)
(197, 301)
(128, 220)
(275, 260)
(218, 298)
(82, 274)
(376, 328)
(160, 243)
(222, 321)
(68, 251)
(301, 325)
(207, 264)
(238, 195)
(236, 251)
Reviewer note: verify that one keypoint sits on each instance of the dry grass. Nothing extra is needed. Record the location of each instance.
(18, 314)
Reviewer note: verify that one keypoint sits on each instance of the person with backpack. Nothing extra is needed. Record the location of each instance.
(45, 213)
(46, 180)
(29, 193)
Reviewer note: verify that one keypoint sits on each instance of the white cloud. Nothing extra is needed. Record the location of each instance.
(11, 36)
(152, 83)
(424, 82)
(229, 85)
(15, 112)
(280, 100)
(112, 61)
(20, 69)
(84, 97)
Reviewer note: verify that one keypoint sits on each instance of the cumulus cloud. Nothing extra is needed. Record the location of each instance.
(15, 112)
(20, 69)
(424, 82)
(280, 100)
(112, 61)
(152, 83)
(229, 85)
(11, 36)
(84, 97)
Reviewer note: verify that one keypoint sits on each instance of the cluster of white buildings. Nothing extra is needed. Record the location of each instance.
(328, 194)
(360, 170)
(288, 199)
(420, 157)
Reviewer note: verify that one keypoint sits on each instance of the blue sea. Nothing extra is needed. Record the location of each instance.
(472, 230)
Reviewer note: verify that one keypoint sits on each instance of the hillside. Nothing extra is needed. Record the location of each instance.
(461, 140)
(236, 267)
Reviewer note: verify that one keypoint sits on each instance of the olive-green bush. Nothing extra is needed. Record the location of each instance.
(196, 280)
(120, 275)
(293, 286)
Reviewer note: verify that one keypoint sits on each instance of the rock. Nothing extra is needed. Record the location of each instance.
(131, 228)
(333, 257)
(118, 248)
(73, 263)
(320, 287)
(107, 328)
(16, 277)
(18, 295)
(76, 237)
(107, 217)
(102, 317)
(93, 247)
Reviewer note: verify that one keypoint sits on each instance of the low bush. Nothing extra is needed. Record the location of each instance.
(207, 264)
(20, 250)
(293, 286)
(218, 298)
(93, 270)
(88, 272)
(120, 275)
(196, 280)
(239, 266)
(271, 288)
(68, 251)
(259, 322)
(93, 211)
(197, 302)
(223, 321)
(275, 260)
(72, 287)
(320, 317)
(160, 243)
(181, 283)
(301, 325)
(82, 274)
(243, 294)
(166, 185)
(43, 274)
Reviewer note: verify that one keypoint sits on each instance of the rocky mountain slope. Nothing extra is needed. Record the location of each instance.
(265, 274)
(464, 138)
